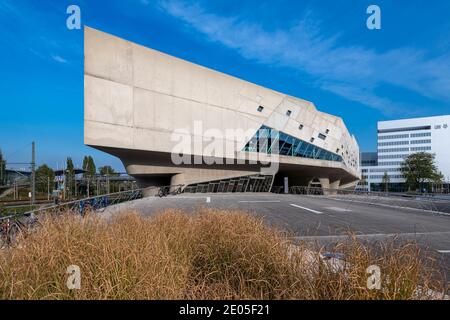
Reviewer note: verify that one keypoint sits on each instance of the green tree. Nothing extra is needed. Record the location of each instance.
(420, 168)
(107, 171)
(85, 166)
(385, 181)
(45, 178)
(70, 178)
(89, 166)
(2, 169)
(92, 167)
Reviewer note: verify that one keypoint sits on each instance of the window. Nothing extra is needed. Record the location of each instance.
(397, 136)
(419, 149)
(418, 135)
(390, 163)
(300, 127)
(385, 170)
(288, 113)
(260, 108)
(393, 156)
(397, 176)
(322, 136)
(421, 141)
(267, 140)
(393, 150)
(393, 143)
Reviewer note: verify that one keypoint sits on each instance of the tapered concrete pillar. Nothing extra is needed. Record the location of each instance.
(329, 188)
(325, 183)
(334, 186)
(177, 180)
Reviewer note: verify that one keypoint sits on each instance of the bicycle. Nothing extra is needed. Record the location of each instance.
(165, 191)
(10, 229)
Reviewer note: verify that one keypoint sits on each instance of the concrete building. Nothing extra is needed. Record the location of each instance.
(139, 104)
(399, 138)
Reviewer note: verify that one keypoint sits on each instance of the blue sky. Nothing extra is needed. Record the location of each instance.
(316, 50)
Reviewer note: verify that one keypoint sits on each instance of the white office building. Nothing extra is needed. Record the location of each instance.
(399, 138)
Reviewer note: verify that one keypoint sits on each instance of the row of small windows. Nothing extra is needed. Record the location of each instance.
(405, 136)
(390, 163)
(267, 140)
(393, 150)
(386, 170)
(288, 113)
(420, 141)
(421, 149)
(393, 156)
(393, 143)
(321, 135)
(261, 108)
(399, 176)
(402, 143)
(396, 136)
(419, 135)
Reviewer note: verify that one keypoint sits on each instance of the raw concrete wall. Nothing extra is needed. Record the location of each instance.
(136, 97)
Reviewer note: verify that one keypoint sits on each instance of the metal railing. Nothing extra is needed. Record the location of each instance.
(83, 205)
(12, 224)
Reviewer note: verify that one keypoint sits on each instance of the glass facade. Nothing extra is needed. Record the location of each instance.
(268, 140)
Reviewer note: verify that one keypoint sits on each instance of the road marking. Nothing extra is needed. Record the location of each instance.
(373, 236)
(307, 209)
(385, 205)
(443, 251)
(338, 209)
(208, 199)
(179, 197)
(261, 201)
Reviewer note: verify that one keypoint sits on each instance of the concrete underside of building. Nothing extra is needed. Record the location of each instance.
(136, 98)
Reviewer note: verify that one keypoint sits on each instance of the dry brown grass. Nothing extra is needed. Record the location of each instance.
(209, 255)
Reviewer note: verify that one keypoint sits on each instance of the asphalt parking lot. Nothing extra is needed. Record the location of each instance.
(318, 218)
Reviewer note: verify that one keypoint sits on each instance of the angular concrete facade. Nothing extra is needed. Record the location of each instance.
(136, 98)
